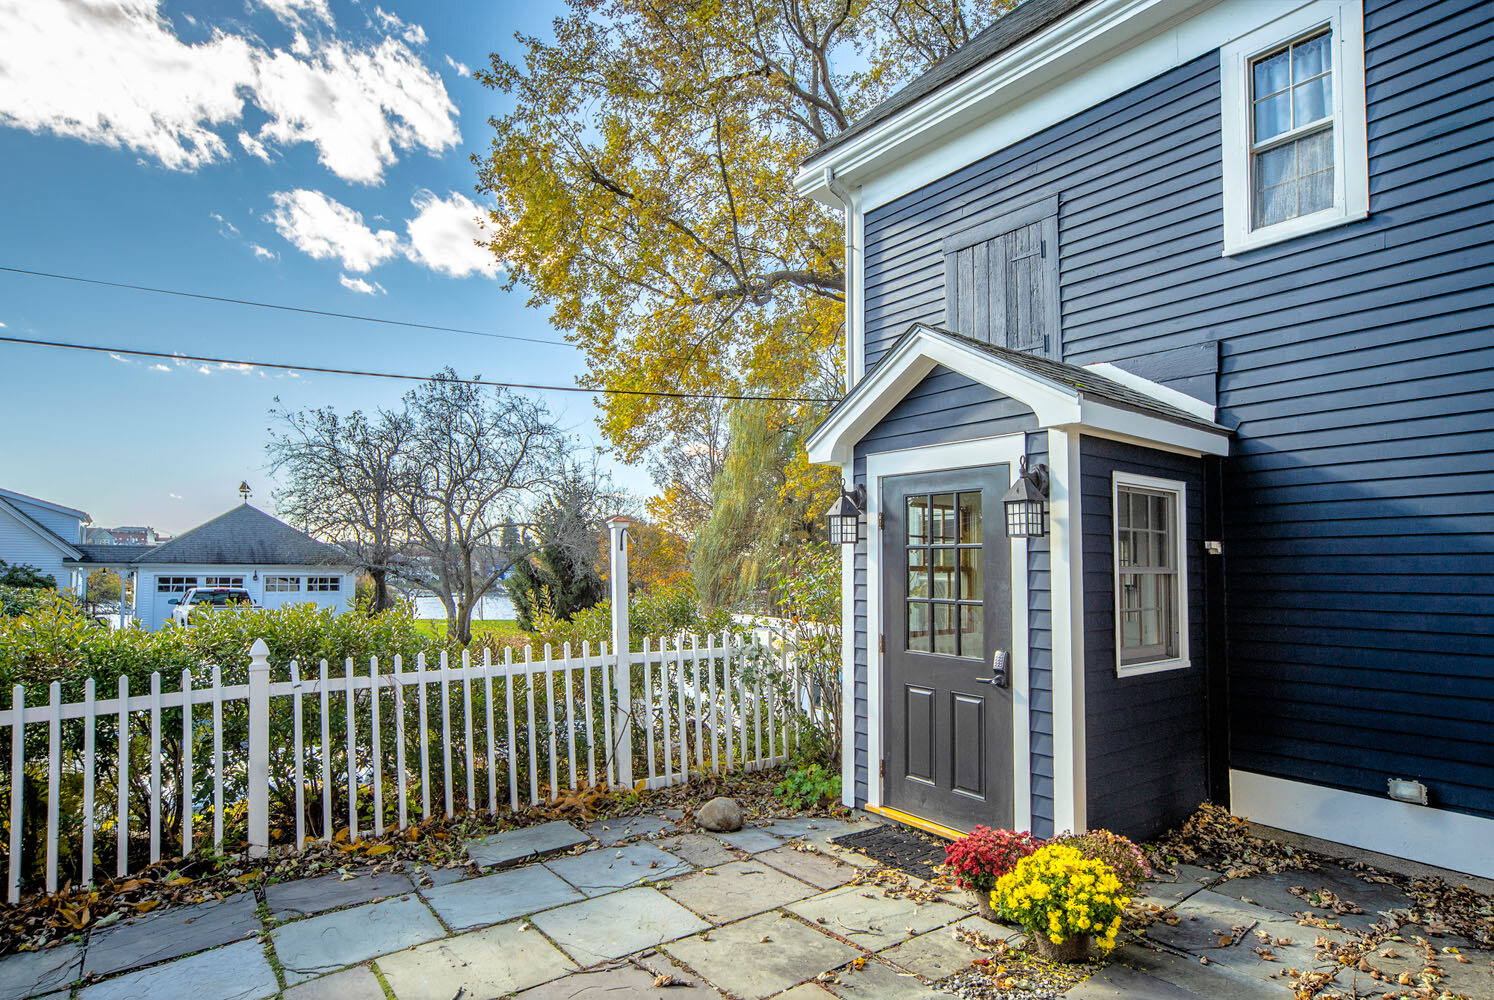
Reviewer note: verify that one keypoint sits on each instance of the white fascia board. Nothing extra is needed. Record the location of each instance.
(1103, 50)
(833, 442)
(39, 530)
(49, 505)
(1158, 391)
(1115, 422)
(1427, 834)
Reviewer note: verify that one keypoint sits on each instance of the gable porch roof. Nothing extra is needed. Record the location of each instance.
(1060, 394)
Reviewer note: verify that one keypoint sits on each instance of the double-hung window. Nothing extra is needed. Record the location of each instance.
(1293, 126)
(1151, 597)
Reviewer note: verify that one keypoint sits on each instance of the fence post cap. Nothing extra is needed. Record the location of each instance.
(259, 654)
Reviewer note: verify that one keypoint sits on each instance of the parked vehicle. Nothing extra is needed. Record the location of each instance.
(209, 597)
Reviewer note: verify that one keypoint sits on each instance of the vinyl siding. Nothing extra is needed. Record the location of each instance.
(1144, 734)
(944, 408)
(1356, 364)
(21, 545)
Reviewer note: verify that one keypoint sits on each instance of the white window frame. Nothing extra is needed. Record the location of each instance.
(1350, 149)
(324, 584)
(282, 584)
(233, 581)
(173, 584)
(1179, 490)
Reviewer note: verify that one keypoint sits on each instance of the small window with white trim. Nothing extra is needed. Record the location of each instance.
(282, 584)
(175, 584)
(1151, 601)
(1293, 120)
(233, 582)
(324, 584)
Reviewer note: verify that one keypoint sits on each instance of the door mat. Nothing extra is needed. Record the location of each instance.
(900, 847)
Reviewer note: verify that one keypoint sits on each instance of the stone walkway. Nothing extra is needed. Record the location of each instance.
(634, 908)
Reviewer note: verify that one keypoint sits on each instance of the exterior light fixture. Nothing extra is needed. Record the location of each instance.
(1026, 503)
(1407, 790)
(844, 517)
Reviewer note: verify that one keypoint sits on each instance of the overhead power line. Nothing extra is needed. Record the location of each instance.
(101, 349)
(284, 308)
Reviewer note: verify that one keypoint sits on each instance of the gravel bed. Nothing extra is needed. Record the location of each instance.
(1024, 979)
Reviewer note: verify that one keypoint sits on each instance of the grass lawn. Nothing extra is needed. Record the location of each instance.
(504, 627)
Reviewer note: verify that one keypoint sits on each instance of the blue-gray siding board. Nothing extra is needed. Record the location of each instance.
(1357, 365)
(1144, 735)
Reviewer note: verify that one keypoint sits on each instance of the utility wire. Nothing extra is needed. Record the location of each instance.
(295, 309)
(98, 349)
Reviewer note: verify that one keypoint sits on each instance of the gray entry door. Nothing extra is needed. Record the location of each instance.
(947, 606)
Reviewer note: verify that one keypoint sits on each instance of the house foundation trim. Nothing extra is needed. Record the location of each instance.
(1433, 836)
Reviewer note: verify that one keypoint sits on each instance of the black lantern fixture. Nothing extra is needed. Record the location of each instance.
(1027, 503)
(844, 517)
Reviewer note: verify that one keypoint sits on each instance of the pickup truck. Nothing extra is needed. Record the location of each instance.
(209, 597)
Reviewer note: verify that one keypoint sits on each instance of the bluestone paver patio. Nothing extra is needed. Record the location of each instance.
(613, 868)
(487, 963)
(322, 944)
(236, 972)
(777, 915)
(617, 924)
(526, 842)
(492, 899)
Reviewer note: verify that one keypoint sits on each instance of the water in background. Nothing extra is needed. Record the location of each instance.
(493, 607)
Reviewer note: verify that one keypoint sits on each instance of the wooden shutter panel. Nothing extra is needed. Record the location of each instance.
(1001, 282)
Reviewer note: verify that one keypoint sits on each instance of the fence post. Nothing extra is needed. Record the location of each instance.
(259, 749)
(622, 673)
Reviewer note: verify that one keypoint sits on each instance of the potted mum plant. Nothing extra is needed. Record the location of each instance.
(1124, 858)
(982, 856)
(1063, 900)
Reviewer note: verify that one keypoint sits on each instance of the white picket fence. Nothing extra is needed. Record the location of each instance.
(701, 705)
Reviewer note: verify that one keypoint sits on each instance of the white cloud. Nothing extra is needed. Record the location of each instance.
(361, 286)
(263, 253)
(228, 229)
(442, 235)
(123, 361)
(326, 229)
(460, 67)
(254, 147)
(295, 12)
(158, 367)
(114, 72)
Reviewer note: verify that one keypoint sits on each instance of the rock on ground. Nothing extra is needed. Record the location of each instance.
(720, 815)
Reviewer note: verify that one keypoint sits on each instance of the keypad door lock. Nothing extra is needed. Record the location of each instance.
(1001, 673)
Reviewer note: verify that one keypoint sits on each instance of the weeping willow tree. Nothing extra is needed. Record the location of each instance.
(767, 500)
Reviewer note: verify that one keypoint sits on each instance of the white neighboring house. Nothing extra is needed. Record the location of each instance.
(43, 534)
(243, 549)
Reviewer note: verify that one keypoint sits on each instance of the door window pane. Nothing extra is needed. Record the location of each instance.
(970, 527)
(942, 518)
(944, 629)
(918, 573)
(970, 575)
(918, 626)
(918, 524)
(972, 630)
(944, 573)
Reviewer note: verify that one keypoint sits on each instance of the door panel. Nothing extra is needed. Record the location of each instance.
(946, 611)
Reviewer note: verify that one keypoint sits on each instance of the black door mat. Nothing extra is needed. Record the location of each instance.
(900, 847)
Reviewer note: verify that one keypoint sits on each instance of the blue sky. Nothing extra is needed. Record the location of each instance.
(305, 152)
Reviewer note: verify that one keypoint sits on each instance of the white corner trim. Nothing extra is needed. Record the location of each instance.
(1180, 535)
(848, 665)
(1427, 834)
(1005, 449)
(1066, 562)
(1350, 144)
(1156, 390)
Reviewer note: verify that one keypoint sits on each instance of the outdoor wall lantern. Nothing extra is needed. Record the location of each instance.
(844, 518)
(1027, 503)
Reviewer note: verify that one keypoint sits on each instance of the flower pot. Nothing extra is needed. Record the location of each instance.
(983, 904)
(1074, 949)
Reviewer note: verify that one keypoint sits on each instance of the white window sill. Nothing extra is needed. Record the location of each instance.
(1153, 667)
(1290, 230)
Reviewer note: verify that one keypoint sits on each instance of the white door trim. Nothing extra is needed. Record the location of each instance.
(1009, 449)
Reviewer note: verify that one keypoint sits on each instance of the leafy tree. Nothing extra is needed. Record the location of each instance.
(103, 585)
(642, 185)
(24, 575)
(561, 578)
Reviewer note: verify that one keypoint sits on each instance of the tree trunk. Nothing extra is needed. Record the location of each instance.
(464, 623)
(381, 589)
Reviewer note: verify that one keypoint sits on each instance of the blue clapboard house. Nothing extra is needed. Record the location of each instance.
(1168, 426)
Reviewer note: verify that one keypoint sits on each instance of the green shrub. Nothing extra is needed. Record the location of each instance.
(806, 787)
